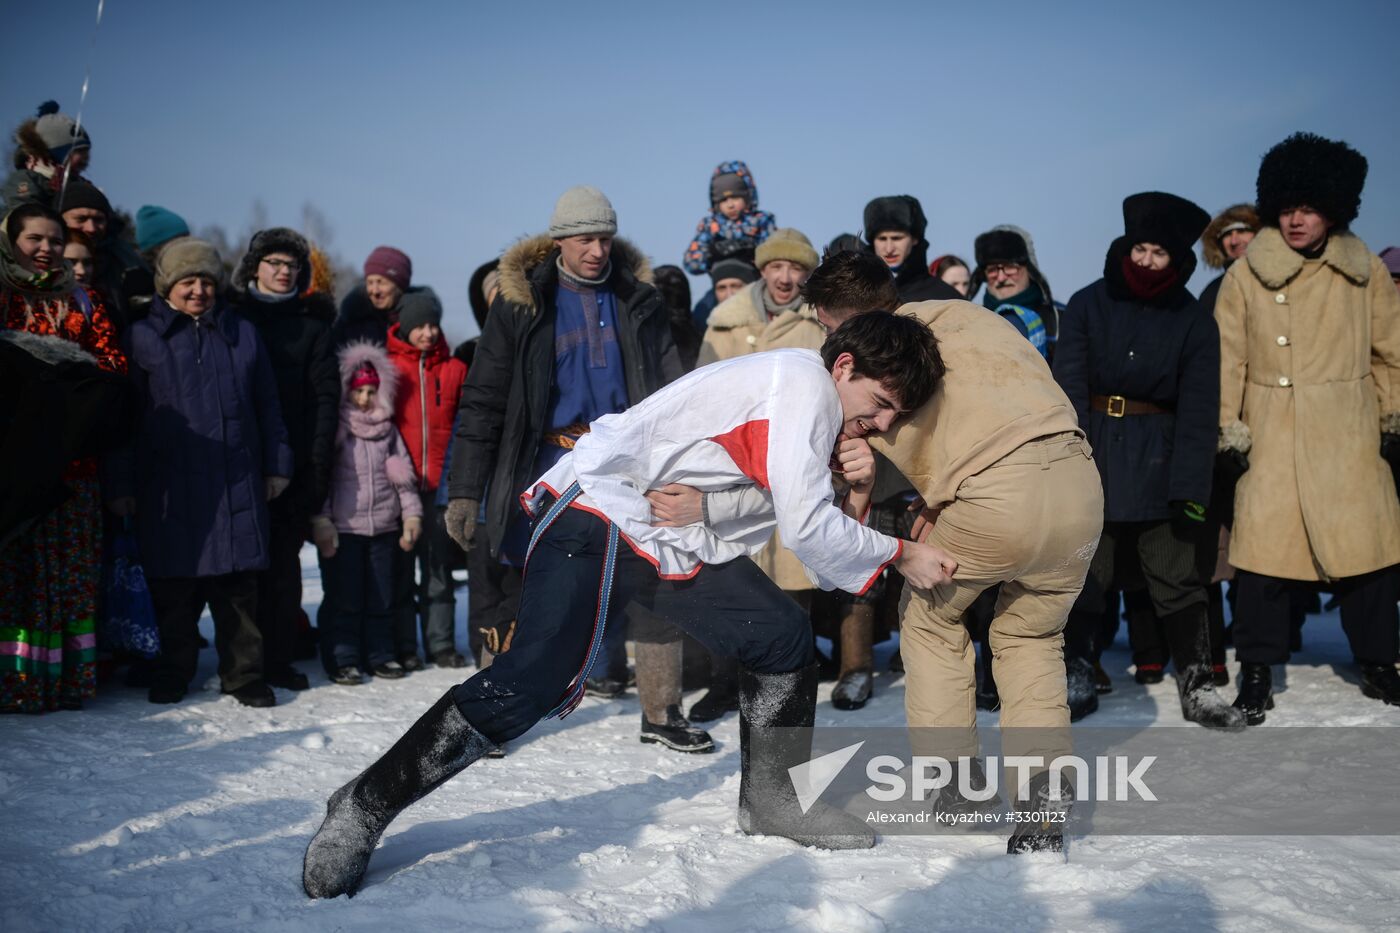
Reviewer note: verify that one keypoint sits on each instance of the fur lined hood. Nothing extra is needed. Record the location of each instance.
(1210, 240)
(1275, 263)
(274, 240)
(352, 356)
(520, 262)
(28, 141)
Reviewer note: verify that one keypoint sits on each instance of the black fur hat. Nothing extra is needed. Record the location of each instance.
(1171, 222)
(274, 240)
(1001, 245)
(895, 212)
(1312, 171)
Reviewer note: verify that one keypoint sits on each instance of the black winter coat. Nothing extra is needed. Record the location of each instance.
(1166, 352)
(1210, 293)
(916, 283)
(505, 400)
(297, 335)
(360, 320)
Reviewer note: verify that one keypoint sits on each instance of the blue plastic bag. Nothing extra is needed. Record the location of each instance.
(130, 621)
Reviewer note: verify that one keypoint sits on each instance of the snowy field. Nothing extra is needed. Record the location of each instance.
(129, 816)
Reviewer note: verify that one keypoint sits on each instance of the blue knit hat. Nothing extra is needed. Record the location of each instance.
(156, 225)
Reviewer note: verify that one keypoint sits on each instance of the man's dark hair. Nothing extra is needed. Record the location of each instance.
(851, 283)
(899, 352)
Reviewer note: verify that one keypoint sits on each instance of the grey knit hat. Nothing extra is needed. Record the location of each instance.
(185, 257)
(417, 307)
(583, 210)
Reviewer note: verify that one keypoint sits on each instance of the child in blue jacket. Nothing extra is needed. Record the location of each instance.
(734, 223)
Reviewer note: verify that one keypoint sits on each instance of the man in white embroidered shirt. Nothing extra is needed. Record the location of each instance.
(772, 424)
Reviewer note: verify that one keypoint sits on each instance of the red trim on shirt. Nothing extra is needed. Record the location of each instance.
(747, 446)
(639, 552)
(528, 497)
(898, 550)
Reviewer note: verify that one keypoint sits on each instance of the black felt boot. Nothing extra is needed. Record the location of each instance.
(437, 746)
(1188, 635)
(775, 719)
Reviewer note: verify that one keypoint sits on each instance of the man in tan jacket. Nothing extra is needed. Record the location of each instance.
(1011, 492)
(1310, 407)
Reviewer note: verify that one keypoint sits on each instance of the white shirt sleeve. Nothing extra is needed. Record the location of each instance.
(838, 551)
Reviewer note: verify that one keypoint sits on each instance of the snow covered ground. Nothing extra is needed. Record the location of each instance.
(129, 816)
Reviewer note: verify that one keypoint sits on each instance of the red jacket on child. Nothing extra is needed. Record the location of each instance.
(430, 384)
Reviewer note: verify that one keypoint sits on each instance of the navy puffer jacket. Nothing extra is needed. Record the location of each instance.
(210, 431)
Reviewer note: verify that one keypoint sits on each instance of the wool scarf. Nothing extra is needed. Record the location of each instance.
(1145, 283)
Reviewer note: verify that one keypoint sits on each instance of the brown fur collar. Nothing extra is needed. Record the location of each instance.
(1275, 263)
(1210, 240)
(519, 262)
(28, 139)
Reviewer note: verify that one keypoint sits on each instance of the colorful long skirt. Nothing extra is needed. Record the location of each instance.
(49, 578)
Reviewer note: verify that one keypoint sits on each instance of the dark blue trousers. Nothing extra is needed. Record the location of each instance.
(362, 584)
(732, 609)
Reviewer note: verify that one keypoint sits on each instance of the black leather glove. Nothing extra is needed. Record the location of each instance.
(1188, 518)
(1231, 464)
(1390, 453)
(1390, 449)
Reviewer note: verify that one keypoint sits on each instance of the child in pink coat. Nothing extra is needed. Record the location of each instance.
(372, 508)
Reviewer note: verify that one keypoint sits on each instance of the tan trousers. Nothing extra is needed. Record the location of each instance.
(1030, 522)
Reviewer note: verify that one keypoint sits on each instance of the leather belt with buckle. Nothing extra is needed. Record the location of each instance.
(1116, 406)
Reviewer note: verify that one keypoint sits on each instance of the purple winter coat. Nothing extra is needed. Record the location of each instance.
(210, 431)
(372, 481)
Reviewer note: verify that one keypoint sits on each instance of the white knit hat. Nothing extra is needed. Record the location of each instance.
(583, 210)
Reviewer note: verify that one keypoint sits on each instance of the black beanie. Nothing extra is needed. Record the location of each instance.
(733, 268)
(418, 306)
(79, 192)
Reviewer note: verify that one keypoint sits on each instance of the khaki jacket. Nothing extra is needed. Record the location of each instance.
(997, 395)
(1310, 373)
(739, 326)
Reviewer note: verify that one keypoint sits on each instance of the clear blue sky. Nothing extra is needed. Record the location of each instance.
(448, 129)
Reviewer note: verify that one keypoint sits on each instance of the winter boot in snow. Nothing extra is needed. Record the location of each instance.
(1150, 673)
(853, 690)
(1044, 833)
(1381, 682)
(857, 683)
(1083, 699)
(952, 800)
(723, 695)
(775, 719)
(437, 746)
(1256, 692)
(659, 688)
(675, 732)
(1188, 635)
